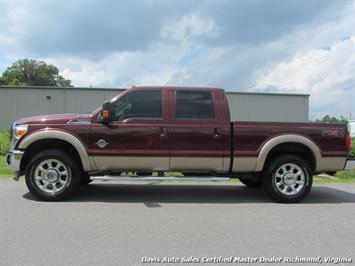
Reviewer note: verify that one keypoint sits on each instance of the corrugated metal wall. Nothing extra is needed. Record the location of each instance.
(16, 103)
(21, 102)
(268, 107)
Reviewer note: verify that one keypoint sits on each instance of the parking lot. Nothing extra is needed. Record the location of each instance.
(123, 224)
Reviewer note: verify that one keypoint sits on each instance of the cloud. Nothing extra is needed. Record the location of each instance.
(178, 44)
(188, 27)
(89, 29)
(257, 22)
(119, 69)
(278, 46)
(93, 29)
(327, 74)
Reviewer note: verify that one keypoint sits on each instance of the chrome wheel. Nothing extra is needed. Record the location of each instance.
(52, 176)
(289, 179)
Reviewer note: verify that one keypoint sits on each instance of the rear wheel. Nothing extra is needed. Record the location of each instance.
(53, 175)
(250, 183)
(288, 179)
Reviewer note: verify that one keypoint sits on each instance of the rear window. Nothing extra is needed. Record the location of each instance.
(194, 105)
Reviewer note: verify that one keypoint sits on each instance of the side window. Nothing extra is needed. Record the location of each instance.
(138, 104)
(194, 105)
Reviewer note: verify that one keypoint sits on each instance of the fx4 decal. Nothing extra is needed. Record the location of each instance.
(335, 133)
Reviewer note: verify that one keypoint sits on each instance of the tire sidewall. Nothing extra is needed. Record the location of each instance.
(71, 165)
(271, 171)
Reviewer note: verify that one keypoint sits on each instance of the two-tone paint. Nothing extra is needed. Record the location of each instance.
(167, 143)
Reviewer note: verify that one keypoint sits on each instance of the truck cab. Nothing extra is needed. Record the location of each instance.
(163, 130)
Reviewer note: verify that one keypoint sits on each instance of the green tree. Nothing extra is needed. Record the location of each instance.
(33, 73)
(332, 119)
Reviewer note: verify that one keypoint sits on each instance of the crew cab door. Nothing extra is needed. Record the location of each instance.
(137, 138)
(197, 132)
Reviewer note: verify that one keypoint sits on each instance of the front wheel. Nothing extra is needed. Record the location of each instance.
(288, 179)
(53, 175)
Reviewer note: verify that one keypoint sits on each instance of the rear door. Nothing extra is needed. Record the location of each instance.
(196, 135)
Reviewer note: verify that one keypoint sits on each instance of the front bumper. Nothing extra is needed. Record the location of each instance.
(13, 160)
(350, 164)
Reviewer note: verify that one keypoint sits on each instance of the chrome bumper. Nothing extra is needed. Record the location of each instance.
(350, 165)
(13, 160)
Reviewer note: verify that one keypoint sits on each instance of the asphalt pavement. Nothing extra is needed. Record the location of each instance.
(207, 224)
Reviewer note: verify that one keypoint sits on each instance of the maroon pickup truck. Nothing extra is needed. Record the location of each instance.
(165, 129)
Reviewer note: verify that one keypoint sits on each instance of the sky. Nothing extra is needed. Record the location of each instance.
(268, 46)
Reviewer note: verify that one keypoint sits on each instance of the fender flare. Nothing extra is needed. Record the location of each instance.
(60, 135)
(272, 143)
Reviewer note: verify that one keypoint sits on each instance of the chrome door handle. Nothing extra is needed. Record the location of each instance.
(217, 132)
(163, 131)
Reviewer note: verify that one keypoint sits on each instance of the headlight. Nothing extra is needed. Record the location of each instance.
(18, 131)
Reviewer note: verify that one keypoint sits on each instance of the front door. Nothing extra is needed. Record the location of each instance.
(137, 138)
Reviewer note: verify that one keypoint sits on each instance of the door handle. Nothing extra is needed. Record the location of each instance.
(163, 131)
(217, 132)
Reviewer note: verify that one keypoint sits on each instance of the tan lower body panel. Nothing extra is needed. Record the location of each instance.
(218, 164)
(131, 163)
(197, 164)
(240, 164)
(331, 163)
(244, 164)
(248, 164)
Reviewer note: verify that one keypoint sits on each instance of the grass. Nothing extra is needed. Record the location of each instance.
(341, 177)
(5, 172)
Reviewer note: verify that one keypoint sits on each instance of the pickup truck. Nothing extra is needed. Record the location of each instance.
(172, 129)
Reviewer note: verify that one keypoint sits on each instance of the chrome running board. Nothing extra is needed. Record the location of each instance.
(159, 178)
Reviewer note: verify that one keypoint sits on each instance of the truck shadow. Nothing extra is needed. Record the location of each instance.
(152, 195)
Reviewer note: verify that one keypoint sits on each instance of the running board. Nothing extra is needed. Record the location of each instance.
(158, 178)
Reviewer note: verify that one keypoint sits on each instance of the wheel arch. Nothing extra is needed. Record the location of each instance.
(292, 144)
(55, 139)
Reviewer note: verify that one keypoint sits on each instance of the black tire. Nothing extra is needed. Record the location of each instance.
(72, 179)
(275, 183)
(250, 183)
(85, 180)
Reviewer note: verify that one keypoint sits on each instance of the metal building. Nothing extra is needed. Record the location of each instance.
(18, 102)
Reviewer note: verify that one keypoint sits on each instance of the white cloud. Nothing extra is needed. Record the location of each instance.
(327, 74)
(202, 45)
(188, 27)
(155, 66)
(122, 69)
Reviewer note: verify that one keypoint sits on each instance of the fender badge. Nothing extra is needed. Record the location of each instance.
(101, 143)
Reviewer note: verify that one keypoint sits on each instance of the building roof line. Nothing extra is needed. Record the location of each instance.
(120, 89)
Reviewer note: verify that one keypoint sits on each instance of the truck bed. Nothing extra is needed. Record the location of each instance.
(250, 138)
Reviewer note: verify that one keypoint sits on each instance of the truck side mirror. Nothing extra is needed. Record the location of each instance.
(106, 113)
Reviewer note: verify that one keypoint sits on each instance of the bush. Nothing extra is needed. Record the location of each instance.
(4, 141)
(4, 170)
